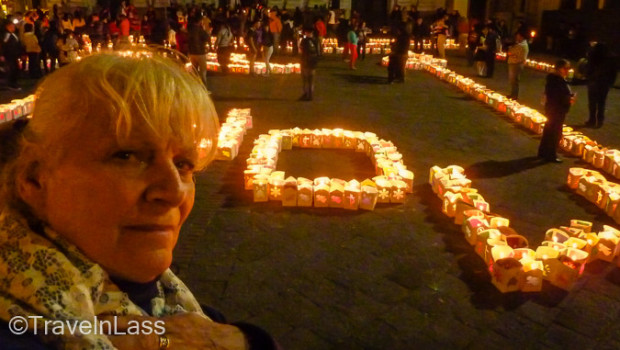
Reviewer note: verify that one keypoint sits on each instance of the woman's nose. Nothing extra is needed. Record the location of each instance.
(166, 186)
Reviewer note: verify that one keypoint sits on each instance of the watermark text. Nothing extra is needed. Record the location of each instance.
(19, 325)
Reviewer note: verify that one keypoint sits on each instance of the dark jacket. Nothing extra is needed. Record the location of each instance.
(491, 42)
(601, 71)
(197, 40)
(401, 45)
(11, 46)
(50, 38)
(251, 39)
(309, 53)
(558, 95)
(267, 39)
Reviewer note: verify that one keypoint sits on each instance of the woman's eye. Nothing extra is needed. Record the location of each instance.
(124, 155)
(185, 166)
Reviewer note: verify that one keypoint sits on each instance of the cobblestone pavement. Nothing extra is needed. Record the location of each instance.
(402, 276)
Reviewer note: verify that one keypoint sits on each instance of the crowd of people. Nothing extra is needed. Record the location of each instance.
(49, 39)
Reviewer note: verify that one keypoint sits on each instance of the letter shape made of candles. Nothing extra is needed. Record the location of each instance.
(391, 185)
(513, 266)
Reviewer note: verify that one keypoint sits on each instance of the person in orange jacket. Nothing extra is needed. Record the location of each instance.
(321, 32)
(275, 27)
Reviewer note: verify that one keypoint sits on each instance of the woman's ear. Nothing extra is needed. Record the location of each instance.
(31, 187)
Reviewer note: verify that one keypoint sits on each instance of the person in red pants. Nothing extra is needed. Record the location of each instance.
(352, 43)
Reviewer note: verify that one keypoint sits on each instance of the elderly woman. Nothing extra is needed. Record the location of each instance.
(94, 190)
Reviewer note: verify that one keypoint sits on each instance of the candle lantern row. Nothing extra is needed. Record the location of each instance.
(527, 117)
(419, 61)
(512, 264)
(373, 46)
(17, 108)
(380, 46)
(232, 131)
(240, 64)
(536, 65)
(330, 45)
(595, 188)
(572, 142)
(393, 181)
(601, 157)
(450, 44)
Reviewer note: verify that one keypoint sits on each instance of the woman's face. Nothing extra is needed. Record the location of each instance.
(122, 204)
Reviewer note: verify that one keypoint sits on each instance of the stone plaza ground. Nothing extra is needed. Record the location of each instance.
(401, 276)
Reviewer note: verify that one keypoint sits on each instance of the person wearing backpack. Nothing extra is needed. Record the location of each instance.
(309, 59)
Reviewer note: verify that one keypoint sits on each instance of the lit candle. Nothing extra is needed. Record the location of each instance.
(575, 243)
(499, 252)
(544, 253)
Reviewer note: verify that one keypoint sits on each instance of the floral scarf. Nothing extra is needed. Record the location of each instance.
(45, 276)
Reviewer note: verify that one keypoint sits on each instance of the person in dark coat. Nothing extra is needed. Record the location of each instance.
(398, 56)
(490, 44)
(601, 74)
(49, 49)
(558, 99)
(251, 39)
(11, 51)
(309, 59)
(197, 42)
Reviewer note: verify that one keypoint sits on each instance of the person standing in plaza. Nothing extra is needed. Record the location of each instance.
(490, 48)
(601, 74)
(462, 28)
(309, 59)
(362, 39)
(321, 32)
(125, 29)
(440, 34)
(197, 42)
(473, 40)
(558, 99)
(517, 55)
(251, 40)
(398, 56)
(33, 50)
(11, 51)
(267, 44)
(275, 27)
(352, 44)
(332, 23)
(49, 49)
(223, 45)
(418, 35)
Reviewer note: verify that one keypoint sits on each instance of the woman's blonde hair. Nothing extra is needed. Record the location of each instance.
(141, 88)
